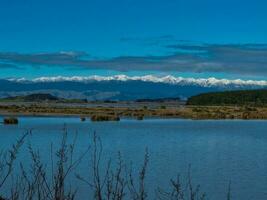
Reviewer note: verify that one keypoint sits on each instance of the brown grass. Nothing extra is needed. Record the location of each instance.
(114, 113)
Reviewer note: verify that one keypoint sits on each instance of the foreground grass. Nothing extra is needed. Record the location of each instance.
(116, 182)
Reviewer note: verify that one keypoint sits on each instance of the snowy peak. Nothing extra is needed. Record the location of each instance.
(208, 82)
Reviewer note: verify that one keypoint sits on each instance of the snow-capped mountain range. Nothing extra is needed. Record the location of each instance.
(204, 82)
(122, 87)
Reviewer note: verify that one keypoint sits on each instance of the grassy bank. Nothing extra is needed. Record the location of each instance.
(162, 111)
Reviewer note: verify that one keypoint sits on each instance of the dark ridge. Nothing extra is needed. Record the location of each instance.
(40, 97)
(32, 98)
(241, 97)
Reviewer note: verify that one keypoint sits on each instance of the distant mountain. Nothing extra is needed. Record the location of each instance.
(122, 87)
(209, 82)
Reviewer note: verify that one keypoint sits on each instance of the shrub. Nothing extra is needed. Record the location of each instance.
(163, 107)
(11, 120)
(105, 118)
(140, 117)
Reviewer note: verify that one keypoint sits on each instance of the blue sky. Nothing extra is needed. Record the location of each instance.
(198, 38)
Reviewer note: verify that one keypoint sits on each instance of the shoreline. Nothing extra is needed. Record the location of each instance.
(129, 118)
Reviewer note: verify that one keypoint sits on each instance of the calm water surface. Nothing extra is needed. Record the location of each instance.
(218, 151)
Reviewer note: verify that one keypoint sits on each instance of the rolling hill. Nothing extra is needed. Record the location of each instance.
(245, 97)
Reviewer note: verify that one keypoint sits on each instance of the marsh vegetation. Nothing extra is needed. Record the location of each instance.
(104, 113)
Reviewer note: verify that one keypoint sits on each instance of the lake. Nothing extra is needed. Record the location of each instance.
(217, 151)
